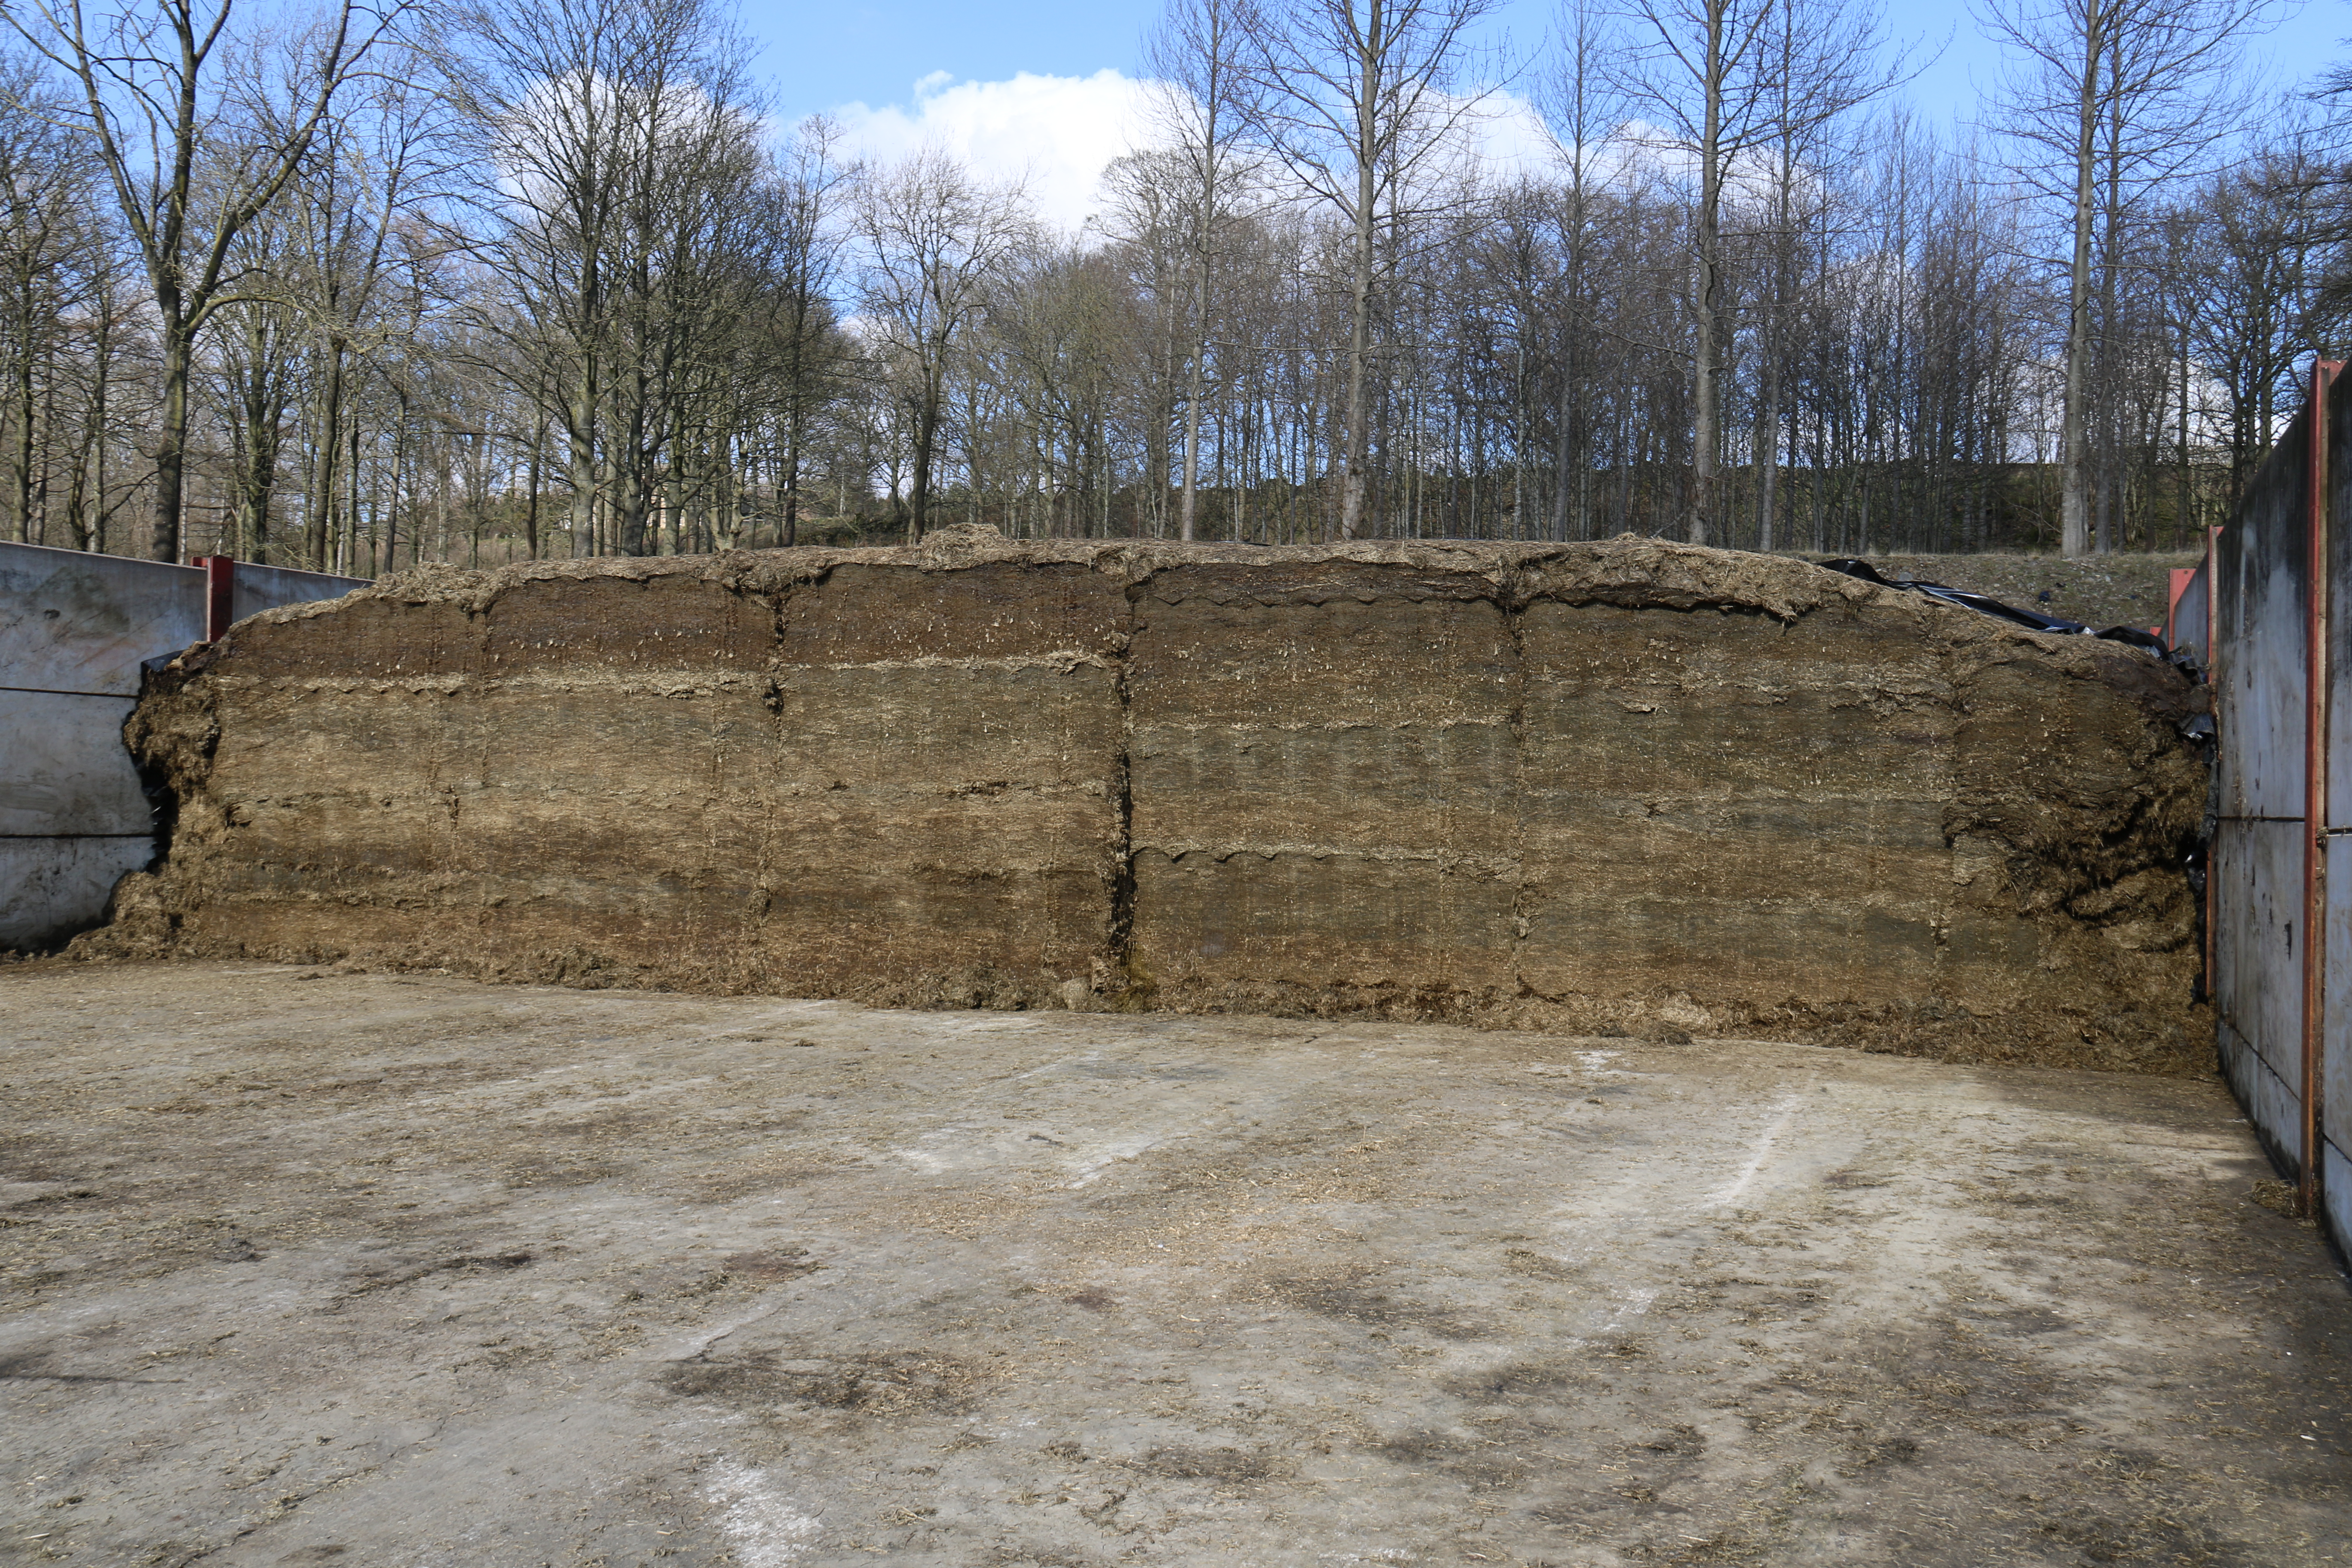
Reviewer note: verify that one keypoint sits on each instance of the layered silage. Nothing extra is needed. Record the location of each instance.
(1624, 785)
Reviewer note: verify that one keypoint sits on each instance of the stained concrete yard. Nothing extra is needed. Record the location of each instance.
(308, 1266)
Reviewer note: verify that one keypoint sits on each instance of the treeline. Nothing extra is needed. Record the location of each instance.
(480, 280)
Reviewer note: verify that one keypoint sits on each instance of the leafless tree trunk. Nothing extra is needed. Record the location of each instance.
(2139, 90)
(1582, 113)
(809, 255)
(154, 113)
(1197, 53)
(933, 241)
(1710, 70)
(1356, 98)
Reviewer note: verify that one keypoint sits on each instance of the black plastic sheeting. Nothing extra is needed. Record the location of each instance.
(2032, 620)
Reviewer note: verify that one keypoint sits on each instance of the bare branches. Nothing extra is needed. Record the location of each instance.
(544, 277)
(2117, 98)
(620, 174)
(1721, 79)
(155, 108)
(1360, 100)
(1198, 53)
(933, 240)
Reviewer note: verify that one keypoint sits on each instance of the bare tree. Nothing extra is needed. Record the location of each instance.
(1583, 114)
(573, 266)
(803, 322)
(1151, 199)
(697, 242)
(151, 103)
(254, 346)
(618, 167)
(1359, 99)
(2114, 98)
(46, 241)
(1704, 69)
(933, 240)
(1197, 53)
(363, 200)
(539, 91)
(2264, 246)
(1726, 79)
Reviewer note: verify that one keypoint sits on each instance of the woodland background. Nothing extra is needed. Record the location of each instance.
(478, 280)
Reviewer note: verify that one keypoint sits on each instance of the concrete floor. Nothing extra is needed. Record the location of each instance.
(305, 1268)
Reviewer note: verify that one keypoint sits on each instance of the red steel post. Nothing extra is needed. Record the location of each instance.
(220, 594)
(2315, 786)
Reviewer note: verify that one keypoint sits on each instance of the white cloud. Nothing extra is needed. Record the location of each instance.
(1054, 134)
(1510, 137)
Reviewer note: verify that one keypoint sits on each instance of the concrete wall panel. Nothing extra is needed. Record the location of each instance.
(2335, 1189)
(2335, 1054)
(75, 629)
(2258, 947)
(2261, 578)
(2265, 582)
(260, 588)
(67, 770)
(52, 888)
(2262, 562)
(75, 621)
(2270, 1100)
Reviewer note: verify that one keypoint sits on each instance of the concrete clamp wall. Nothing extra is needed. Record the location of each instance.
(74, 630)
(2279, 583)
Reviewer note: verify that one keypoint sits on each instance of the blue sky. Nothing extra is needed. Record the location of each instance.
(998, 78)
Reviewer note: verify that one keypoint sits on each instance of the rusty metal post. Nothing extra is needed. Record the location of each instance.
(2213, 701)
(2315, 786)
(220, 594)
